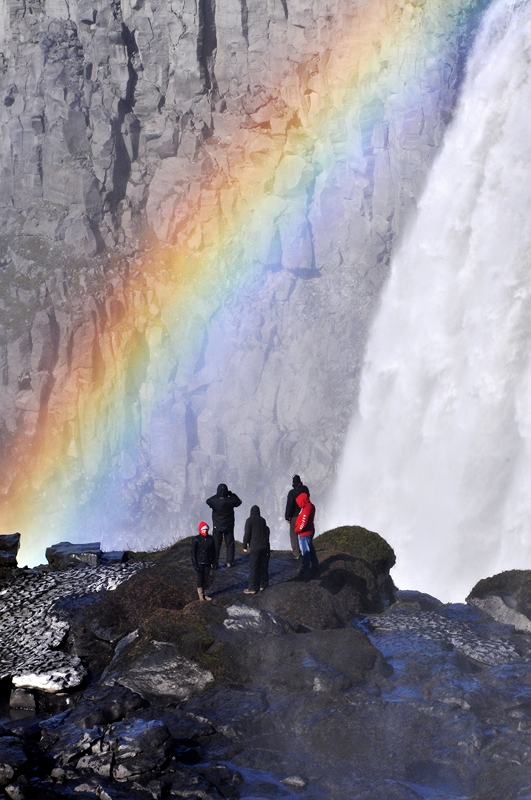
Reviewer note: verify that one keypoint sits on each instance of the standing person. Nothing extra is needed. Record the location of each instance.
(203, 555)
(256, 539)
(223, 504)
(305, 529)
(292, 511)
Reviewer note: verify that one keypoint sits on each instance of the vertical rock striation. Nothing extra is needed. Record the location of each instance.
(132, 130)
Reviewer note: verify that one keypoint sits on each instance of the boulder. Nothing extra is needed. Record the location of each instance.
(370, 556)
(13, 756)
(304, 606)
(9, 545)
(162, 672)
(505, 597)
(352, 578)
(139, 746)
(65, 554)
(105, 705)
(23, 699)
(329, 661)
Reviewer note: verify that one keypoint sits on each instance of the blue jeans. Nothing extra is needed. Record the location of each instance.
(309, 558)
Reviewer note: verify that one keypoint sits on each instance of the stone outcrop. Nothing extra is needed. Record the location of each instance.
(505, 597)
(66, 554)
(34, 632)
(141, 129)
(9, 545)
(417, 700)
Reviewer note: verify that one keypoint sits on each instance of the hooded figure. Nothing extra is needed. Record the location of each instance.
(305, 529)
(256, 540)
(292, 511)
(203, 555)
(223, 504)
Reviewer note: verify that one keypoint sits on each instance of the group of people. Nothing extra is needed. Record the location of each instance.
(206, 547)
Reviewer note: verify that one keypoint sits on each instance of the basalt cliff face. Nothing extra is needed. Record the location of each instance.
(123, 126)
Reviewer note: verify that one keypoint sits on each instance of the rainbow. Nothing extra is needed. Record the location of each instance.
(61, 476)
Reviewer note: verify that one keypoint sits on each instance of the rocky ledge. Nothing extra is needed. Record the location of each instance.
(332, 685)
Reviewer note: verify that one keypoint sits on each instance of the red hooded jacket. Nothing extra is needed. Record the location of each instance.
(304, 525)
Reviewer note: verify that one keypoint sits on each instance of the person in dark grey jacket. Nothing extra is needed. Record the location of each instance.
(292, 512)
(256, 541)
(223, 504)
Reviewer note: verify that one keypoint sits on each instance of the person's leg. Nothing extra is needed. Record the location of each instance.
(305, 550)
(229, 544)
(206, 575)
(264, 569)
(294, 539)
(253, 581)
(218, 538)
(313, 555)
(199, 574)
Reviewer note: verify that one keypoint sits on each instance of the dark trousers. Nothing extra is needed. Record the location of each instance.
(294, 538)
(229, 544)
(203, 571)
(258, 570)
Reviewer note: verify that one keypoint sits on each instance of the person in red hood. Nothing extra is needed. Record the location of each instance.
(305, 529)
(203, 557)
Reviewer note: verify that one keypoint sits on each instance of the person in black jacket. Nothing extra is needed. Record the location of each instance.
(292, 512)
(223, 504)
(256, 540)
(203, 555)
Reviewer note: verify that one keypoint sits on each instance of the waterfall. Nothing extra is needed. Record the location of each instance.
(438, 456)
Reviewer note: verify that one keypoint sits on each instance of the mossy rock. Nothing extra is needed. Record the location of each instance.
(513, 583)
(357, 541)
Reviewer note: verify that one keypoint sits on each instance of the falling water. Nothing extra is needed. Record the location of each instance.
(438, 459)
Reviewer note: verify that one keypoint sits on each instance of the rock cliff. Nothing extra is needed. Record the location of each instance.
(136, 134)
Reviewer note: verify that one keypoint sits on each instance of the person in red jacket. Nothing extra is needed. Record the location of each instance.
(305, 529)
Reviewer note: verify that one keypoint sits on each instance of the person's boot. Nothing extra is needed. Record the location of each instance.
(200, 594)
(206, 597)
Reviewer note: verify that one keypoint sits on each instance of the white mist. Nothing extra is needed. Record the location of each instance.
(438, 459)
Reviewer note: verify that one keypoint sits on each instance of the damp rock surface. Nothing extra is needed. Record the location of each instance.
(412, 699)
(505, 597)
(32, 631)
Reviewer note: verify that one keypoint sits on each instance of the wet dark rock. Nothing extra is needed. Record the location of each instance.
(161, 672)
(418, 600)
(24, 699)
(333, 687)
(104, 705)
(305, 606)
(506, 597)
(187, 782)
(65, 554)
(382, 790)
(9, 546)
(319, 661)
(139, 746)
(13, 756)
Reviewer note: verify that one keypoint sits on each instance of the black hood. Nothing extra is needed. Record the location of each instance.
(222, 490)
(255, 510)
(296, 481)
